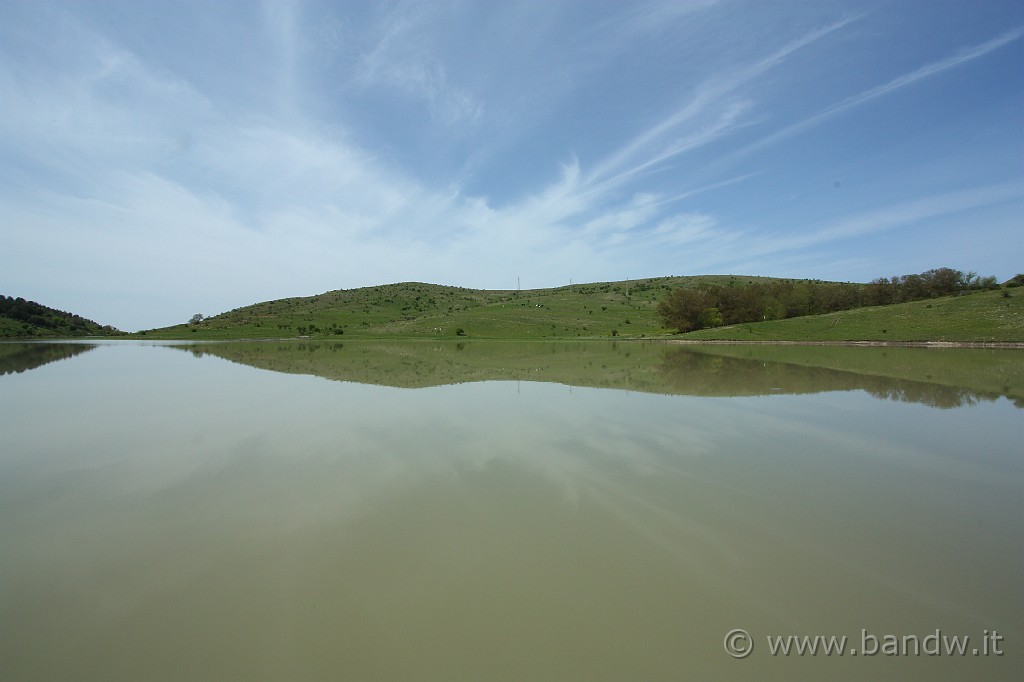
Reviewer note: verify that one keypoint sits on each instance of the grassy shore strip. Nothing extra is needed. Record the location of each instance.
(987, 317)
(850, 344)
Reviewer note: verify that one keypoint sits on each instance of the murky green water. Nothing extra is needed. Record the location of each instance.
(498, 511)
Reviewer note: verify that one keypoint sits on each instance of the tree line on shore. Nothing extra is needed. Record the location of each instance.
(714, 305)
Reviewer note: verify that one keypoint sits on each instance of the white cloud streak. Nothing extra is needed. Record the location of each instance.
(904, 214)
(651, 146)
(935, 68)
(401, 60)
(751, 246)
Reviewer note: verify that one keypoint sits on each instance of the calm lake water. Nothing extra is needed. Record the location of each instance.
(499, 511)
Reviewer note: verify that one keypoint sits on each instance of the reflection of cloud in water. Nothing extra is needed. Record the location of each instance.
(753, 508)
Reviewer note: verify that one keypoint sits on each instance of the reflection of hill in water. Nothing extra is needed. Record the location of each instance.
(644, 367)
(21, 357)
(696, 373)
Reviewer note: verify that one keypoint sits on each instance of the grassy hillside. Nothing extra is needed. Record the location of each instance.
(27, 319)
(433, 311)
(984, 317)
(596, 310)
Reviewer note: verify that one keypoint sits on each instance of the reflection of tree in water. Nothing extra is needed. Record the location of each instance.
(936, 396)
(696, 373)
(21, 357)
(693, 373)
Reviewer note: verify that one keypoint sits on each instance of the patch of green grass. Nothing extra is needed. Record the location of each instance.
(14, 328)
(979, 317)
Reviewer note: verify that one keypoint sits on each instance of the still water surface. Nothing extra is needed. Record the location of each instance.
(504, 511)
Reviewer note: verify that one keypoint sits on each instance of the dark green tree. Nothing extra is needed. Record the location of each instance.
(686, 309)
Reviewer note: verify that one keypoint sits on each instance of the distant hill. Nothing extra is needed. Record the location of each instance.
(595, 310)
(27, 319)
(417, 310)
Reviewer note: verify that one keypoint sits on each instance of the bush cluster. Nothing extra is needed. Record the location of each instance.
(713, 305)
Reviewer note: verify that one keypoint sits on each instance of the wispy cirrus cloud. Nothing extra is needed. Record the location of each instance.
(903, 214)
(905, 80)
(713, 99)
(402, 60)
(282, 24)
(588, 204)
(754, 244)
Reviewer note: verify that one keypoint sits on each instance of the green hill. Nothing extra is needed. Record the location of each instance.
(27, 319)
(594, 310)
(416, 310)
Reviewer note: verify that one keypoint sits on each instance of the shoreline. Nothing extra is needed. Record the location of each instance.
(1013, 345)
(895, 344)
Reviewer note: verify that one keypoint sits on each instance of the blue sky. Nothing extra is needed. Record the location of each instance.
(159, 159)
